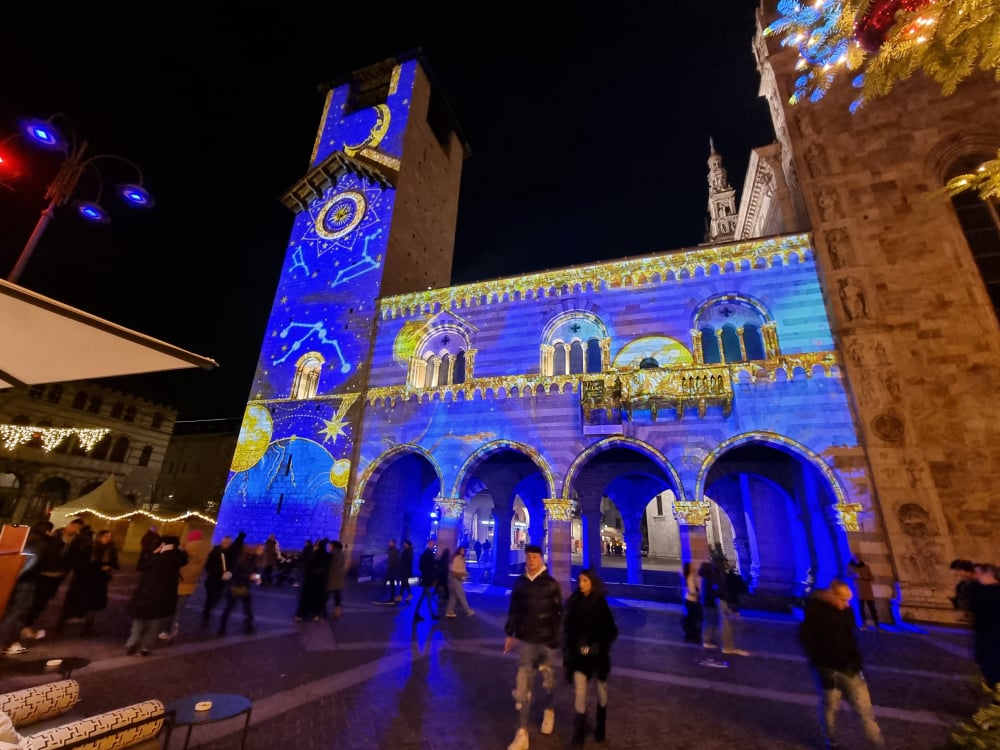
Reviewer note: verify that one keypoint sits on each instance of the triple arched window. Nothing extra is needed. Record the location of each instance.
(442, 358)
(734, 329)
(575, 343)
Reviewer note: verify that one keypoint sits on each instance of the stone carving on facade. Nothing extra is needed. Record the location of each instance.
(838, 245)
(922, 555)
(856, 352)
(868, 394)
(853, 299)
(890, 382)
(881, 356)
(804, 122)
(829, 205)
(816, 163)
(889, 427)
(913, 471)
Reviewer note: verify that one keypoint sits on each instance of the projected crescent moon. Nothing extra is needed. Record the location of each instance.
(376, 134)
(255, 436)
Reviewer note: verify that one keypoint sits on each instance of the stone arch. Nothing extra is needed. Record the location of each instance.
(617, 441)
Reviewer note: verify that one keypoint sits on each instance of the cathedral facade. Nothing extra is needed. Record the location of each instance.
(773, 391)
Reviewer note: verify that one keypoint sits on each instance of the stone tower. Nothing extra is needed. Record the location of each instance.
(721, 199)
(375, 215)
(904, 285)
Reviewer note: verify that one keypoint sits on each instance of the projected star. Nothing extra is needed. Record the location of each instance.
(333, 428)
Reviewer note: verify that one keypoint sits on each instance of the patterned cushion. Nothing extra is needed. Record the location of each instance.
(40, 702)
(76, 732)
(9, 738)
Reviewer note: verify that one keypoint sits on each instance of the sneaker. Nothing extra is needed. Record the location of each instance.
(520, 741)
(450, 614)
(735, 651)
(706, 644)
(470, 613)
(548, 721)
(14, 649)
(164, 636)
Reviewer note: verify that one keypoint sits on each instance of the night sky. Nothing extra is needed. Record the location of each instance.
(588, 132)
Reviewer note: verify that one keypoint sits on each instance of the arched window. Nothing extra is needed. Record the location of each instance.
(129, 414)
(444, 376)
(146, 454)
(594, 355)
(117, 409)
(157, 421)
(95, 405)
(80, 400)
(710, 347)
(459, 367)
(980, 222)
(55, 393)
(307, 371)
(120, 452)
(441, 357)
(753, 342)
(431, 375)
(100, 451)
(731, 344)
(571, 344)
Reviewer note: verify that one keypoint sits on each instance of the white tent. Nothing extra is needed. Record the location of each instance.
(106, 500)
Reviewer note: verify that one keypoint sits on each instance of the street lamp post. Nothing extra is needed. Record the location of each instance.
(64, 185)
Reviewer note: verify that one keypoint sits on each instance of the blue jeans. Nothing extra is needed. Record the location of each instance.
(855, 689)
(534, 656)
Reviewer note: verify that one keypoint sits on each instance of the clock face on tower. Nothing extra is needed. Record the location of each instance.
(341, 214)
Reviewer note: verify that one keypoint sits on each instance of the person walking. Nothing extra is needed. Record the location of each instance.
(53, 569)
(154, 599)
(457, 575)
(88, 588)
(428, 580)
(534, 624)
(717, 600)
(984, 604)
(245, 577)
(313, 594)
(827, 637)
(442, 570)
(693, 614)
(392, 559)
(149, 542)
(336, 576)
(218, 572)
(862, 575)
(197, 551)
(23, 595)
(272, 553)
(588, 632)
(406, 570)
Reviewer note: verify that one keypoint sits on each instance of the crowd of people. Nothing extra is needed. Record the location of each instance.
(540, 623)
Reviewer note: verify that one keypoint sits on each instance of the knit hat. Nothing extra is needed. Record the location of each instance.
(194, 535)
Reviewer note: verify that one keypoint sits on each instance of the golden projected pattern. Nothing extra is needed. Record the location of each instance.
(635, 272)
(559, 508)
(847, 515)
(692, 512)
(684, 386)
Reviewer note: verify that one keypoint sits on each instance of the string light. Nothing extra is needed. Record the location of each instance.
(15, 435)
(160, 519)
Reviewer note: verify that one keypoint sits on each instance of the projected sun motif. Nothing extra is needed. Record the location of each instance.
(340, 473)
(255, 435)
(665, 350)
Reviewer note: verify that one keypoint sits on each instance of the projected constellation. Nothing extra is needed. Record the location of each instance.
(298, 260)
(363, 266)
(320, 331)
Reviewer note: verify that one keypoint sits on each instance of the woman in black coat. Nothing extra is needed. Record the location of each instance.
(589, 629)
(154, 600)
(88, 589)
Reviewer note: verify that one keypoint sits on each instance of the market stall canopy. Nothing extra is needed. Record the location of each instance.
(45, 341)
(104, 500)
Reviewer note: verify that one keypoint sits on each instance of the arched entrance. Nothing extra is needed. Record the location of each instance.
(399, 493)
(630, 474)
(50, 493)
(508, 472)
(781, 505)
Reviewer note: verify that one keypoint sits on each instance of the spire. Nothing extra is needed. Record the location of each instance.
(721, 198)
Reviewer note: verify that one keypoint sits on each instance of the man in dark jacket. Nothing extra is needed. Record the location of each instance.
(392, 572)
(535, 619)
(827, 636)
(428, 578)
(405, 571)
(218, 571)
(154, 600)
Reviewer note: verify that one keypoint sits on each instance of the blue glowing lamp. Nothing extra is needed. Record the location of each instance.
(44, 134)
(92, 212)
(136, 195)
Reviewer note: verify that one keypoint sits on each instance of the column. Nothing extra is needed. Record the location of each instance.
(501, 545)
(560, 513)
(743, 345)
(452, 511)
(352, 533)
(633, 546)
(592, 538)
(696, 348)
(769, 332)
(605, 354)
(470, 364)
(722, 349)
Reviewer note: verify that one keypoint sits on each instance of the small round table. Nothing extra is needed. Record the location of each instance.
(224, 706)
(13, 665)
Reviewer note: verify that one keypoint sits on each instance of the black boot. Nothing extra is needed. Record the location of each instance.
(602, 719)
(579, 730)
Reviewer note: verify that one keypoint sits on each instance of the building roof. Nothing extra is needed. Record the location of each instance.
(46, 341)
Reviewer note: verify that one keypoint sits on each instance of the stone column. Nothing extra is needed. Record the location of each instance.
(470, 364)
(560, 513)
(452, 511)
(547, 357)
(633, 546)
(592, 538)
(696, 348)
(501, 545)
(352, 533)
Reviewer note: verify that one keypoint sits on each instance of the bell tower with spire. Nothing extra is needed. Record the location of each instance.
(721, 199)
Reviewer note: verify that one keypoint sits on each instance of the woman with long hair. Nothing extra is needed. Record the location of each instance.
(589, 629)
(457, 574)
(88, 588)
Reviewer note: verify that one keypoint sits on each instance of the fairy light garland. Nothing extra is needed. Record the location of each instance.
(132, 514)
(15, 435)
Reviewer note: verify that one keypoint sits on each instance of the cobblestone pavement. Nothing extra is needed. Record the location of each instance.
(379, 679)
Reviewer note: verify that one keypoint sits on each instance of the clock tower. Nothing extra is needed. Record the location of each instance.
(375, 216)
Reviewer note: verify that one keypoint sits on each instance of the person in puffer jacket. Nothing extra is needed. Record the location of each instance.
(535, 619)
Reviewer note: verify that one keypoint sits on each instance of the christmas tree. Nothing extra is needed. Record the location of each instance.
(882, 42)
